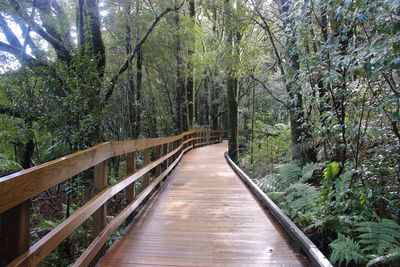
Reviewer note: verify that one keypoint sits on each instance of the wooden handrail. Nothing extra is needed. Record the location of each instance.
(19, 187)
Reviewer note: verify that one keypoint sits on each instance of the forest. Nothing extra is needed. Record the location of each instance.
(307, 92)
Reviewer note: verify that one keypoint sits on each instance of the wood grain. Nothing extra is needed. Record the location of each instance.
(204, 216)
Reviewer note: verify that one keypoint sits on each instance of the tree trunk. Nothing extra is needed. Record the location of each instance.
(299, 133)
(190, 67)
(179, 79)
(138, 106)
(231, 88)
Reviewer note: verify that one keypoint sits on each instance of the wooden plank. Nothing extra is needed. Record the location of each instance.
(15, 230)
(205, 217)
(50, 241)
(313, 253)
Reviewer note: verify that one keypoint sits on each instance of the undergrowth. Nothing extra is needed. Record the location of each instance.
(341, 212)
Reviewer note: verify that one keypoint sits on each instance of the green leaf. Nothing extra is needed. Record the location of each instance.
(308, 171)
(332, 170)
(47, 224)
(396, 116)
(347, 3)
(345, 249)
(393, 256)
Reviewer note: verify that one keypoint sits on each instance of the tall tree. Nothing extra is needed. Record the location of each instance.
(190, 66)
(231, 81)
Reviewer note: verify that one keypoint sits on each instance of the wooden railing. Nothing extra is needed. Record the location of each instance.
(17, 189)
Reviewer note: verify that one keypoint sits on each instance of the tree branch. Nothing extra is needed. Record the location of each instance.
(17, 52)
(266, 88)
(15, 113)
(62, 51)
(10, 36)
(129, 58)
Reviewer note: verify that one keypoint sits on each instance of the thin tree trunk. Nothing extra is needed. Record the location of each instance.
(179, 79)
(139, 78)
(190, 67)
(231, 88)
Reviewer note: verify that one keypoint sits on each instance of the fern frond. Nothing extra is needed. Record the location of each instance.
(345, 249)
(289, 173)
(7, 166)
(269, 184)
(307, 171)
(300, 199)
(391, 259)
(378, 237)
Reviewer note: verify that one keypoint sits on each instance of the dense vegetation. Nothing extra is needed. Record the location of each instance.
(308, 91)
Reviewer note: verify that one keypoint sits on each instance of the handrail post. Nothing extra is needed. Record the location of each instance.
(158, 155)
(15, 230)
(146, 177)
(165, 152)
(130, 190)
(100, 215)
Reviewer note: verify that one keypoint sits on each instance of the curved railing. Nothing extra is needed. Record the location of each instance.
(17, 189)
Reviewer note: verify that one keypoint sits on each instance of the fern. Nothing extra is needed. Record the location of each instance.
(391, 259)
(7, 166)
(307, 171)
(269, 184)
(300, 199)
(289, 173)
(345, 249)
(379, 237)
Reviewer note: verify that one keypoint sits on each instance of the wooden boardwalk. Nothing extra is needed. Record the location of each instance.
(204, 216)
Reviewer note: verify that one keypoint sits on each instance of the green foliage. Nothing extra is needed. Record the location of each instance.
(378, 241)
(331, 171)
(300, 202)
(308, 170)
(47, 225)
(289, 173)
(7, 166)
(390, 259)
(379, 237)
(345, 249)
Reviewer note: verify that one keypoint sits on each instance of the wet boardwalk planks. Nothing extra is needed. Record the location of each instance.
(204, 216)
